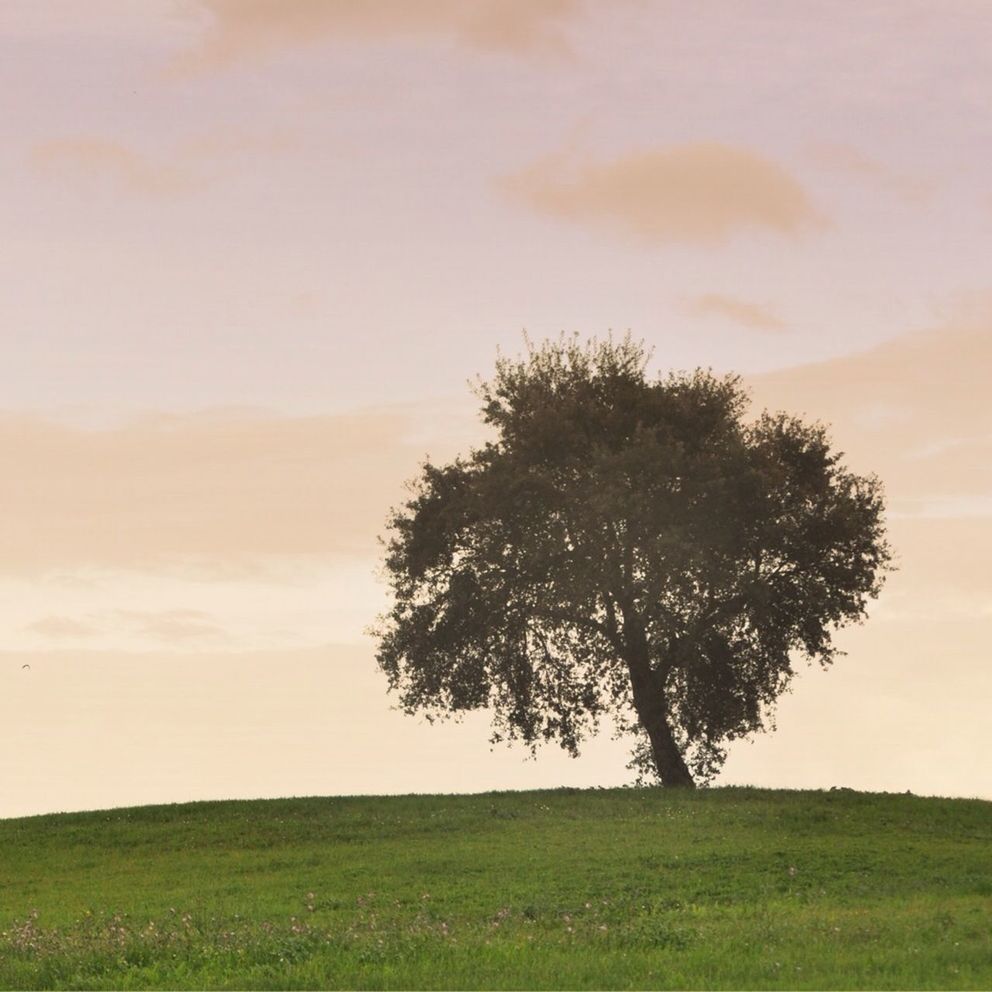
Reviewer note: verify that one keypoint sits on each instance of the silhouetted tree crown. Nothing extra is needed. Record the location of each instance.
(630, 547)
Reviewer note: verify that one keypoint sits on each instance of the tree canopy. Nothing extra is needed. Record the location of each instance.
(625, 546)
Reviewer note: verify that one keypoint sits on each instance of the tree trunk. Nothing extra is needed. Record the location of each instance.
(649, 703)
(667, 758)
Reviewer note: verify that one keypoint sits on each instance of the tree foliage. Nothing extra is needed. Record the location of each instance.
(625, 546)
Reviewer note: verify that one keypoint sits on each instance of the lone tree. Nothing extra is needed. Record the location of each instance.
(625, 546)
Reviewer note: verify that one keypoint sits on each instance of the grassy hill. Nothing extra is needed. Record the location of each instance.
(725, 888)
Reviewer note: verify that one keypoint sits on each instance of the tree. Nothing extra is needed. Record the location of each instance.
(630, 547)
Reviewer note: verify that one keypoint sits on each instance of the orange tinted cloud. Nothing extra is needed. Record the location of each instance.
(221, 488)
(99, 160)
(754, 315)
(695, 194)
(245, 29)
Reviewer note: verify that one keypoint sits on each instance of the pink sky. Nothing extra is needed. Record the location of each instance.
(254, 250)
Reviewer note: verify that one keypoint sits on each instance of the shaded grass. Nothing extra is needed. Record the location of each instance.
(724, 888)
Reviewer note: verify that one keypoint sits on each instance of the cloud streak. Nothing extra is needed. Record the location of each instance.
(756, 316)
(234, 489)
(697, 194)
(247, 30)
(89, 161)
(177, 626)
(909, 410)
(94, 160)
(223, 489)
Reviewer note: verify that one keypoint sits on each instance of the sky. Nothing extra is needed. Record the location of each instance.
(256, 250)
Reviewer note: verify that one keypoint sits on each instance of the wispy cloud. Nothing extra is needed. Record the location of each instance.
(909, 409)
(173, 626)
(177, 626)
(90, 160)
(700, 194)
(240, 30)
(757, 316)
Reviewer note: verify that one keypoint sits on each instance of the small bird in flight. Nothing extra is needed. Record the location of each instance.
(25, 666)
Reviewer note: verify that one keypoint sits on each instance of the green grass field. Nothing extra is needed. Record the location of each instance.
(723, 888)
